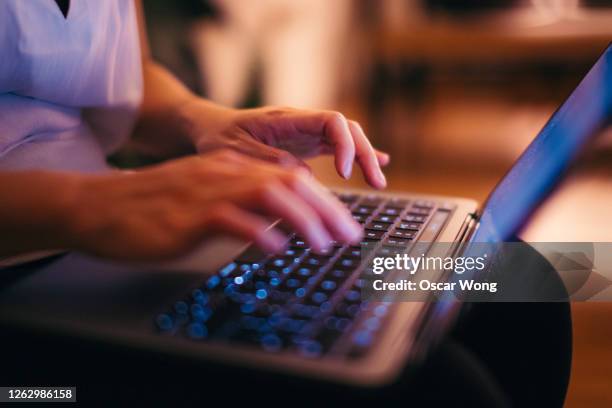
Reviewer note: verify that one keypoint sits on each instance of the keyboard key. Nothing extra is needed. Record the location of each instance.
(317, 260)
(400, 233)
(306, 271)
(271, 342)
(228, 269)
(348, 197)
(306, 311)
(348, 262)
(364, 209)
(414, 218)
(361, 342)
(354, 253)
(389, 251)
(424, 204)
(181, 307)
(373, 235)
(385, 218)
(398, 202)
(397, 242)
(164, 322)
(317, 298)
(310, 348)
(419, 211)
(197, 331)
(289, 325)
(298, 243)
(359, 284)
(391, 211)
(412, 226)
(378, 226)
(371, 200)
(200, 313)
(360, 218)
(337, 275)
(328, 285)
(352, 296)
(294, 252)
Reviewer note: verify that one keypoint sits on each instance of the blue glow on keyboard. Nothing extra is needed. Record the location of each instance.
(181, 307)
(213, 281)
(362, 338)
(226, 270)
(164, 322)
(298, 301)
(261, 294)
(271, 342)
(197, 331)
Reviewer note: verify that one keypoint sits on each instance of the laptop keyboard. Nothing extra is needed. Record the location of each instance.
(302, 302)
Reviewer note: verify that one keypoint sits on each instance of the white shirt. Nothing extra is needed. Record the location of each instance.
(69, 87)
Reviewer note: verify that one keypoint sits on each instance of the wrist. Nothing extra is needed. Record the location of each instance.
(36, 211)
(200, 120)
(63, 210)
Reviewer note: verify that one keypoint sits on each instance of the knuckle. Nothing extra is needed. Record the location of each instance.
(295, 178)
(227, 153)
(165, 244)
(285, 158)
(355, 124)
(267, 189)
(337, 117)
(219, 211)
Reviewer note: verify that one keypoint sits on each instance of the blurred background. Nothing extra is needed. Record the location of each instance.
(453, 89)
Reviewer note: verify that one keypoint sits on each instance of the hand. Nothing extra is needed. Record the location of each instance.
(166, 210)
(286, 136)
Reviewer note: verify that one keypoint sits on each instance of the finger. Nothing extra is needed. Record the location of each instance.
(333, 131)
(337, 133)
(236, 221)
(336, 217)
(366, 157)
(281, 202)
(382, 157)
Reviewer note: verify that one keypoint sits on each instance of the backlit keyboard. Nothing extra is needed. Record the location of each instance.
(304, 302)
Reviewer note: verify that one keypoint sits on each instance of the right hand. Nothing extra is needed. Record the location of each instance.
(164, 211)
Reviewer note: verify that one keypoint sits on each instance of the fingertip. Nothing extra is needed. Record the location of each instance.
(344, 167)
(382, 180)
(383, 158)
(348, 169)
(273, 242)
(357, 236)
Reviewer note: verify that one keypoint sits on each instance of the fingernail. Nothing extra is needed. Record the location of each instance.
(357, 232)
(348, 169)
(320, 240)
(274, 243)
(382, 178)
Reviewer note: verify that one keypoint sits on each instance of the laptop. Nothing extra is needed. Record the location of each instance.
(301, 313)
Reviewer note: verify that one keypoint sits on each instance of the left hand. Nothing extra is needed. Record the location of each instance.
(286, 136)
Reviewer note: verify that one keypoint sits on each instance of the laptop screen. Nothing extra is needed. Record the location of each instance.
(587, 110)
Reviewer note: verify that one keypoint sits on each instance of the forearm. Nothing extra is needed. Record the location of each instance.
(164, 127)
(34, 211)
